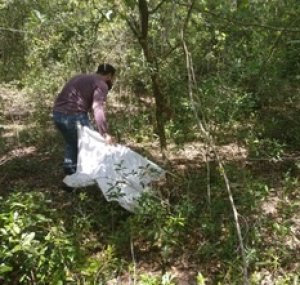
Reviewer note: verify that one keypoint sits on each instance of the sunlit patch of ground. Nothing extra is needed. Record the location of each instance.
(17, 153)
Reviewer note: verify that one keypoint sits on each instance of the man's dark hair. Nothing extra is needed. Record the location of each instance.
(105, 69)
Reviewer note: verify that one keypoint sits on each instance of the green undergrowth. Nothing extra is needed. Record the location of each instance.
(52, 237)
(185, 232)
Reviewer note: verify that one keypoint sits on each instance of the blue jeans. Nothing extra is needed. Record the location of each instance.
(67, 126)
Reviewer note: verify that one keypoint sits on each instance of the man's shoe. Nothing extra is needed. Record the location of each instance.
(67, 188)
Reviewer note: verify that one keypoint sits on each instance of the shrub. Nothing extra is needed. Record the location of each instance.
(34, 245)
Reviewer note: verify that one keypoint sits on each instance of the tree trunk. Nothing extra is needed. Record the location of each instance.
(141, 32)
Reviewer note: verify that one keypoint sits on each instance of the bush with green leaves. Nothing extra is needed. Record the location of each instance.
(34, 245)
(162, 227)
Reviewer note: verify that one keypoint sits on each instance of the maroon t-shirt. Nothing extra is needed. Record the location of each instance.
(84, 93)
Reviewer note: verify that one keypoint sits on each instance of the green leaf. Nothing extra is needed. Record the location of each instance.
(28, 238)
(5, 268)
(3, 231)
(16, 249)
(200, 279)
(16, 229)
(40, 16)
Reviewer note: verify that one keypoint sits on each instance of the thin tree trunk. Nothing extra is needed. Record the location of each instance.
(211, 145)
(160, 110)
(140, 30)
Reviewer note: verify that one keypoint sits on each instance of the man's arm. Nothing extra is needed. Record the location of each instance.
(99, 102)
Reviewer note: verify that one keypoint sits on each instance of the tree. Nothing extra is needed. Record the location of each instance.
(141, 31)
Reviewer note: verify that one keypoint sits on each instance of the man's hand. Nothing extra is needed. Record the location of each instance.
(108, 139)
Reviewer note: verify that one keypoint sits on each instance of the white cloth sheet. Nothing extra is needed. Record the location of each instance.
(121, 174)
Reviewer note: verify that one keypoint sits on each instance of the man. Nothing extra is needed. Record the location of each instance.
(80, 95)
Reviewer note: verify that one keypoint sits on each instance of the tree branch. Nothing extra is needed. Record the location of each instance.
(157, 7)
(251, 25)
(133, 27)
(243, 24)
(144, 18)
(272, 50)
(179, 44)
(170, 51)
(188, 16)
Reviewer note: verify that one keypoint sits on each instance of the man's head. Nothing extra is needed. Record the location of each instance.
(107, 72)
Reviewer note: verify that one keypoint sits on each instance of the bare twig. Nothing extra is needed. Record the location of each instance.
(133, 27)
(244, 24)
(272, 50)
(157, 7)
(208, 188)
(133, 259)
(15, 30)
(251, 25)
(211, 145)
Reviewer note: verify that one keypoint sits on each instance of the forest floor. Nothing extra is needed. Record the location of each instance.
(31, 159)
